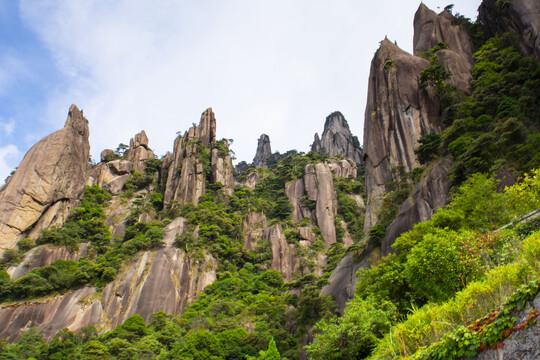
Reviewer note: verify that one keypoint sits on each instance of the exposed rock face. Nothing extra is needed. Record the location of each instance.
(186, 180)
(139, 151)
(45, 255)
(519, 16)
(112, 175)
(264, 151)
(431, 194)
(48, 181)
(222, 170)
(398, 113)
(253, 229)
(284, 257)
(342, 283)
(337, 139)
(164, 279)
(73, 310)
(430, 29)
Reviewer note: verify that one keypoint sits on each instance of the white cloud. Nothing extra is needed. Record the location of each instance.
(9, 155)
(278, 67)
(8, 126)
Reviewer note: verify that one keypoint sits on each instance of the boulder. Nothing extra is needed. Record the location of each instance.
(139, 151)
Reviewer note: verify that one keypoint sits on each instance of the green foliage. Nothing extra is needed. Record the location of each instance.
(497, 126)
(429, 147)
(353, 335)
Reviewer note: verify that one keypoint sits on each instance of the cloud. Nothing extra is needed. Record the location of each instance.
(278, 67)
(8, 127)
(9, 155)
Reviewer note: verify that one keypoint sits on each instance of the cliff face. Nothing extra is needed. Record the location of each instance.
(337, 139)
(398, 113)
(194, 152)
(518, 16)
(48, 181)
(398, 110)
(165, 279)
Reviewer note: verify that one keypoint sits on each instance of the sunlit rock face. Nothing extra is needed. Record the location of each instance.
(186, 180)
(263, 153)
(47, 183)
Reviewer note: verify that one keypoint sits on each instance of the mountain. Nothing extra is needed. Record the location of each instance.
(299, 255)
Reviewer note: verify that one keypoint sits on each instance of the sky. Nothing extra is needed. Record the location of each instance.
(277, 67)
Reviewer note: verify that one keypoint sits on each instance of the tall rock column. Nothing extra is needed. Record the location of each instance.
(47, 182)
(337, 139)
(398, 113)
(139, 151)
(264, 151)
(197, 159)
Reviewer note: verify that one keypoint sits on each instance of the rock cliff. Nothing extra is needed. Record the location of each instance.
(429, 195)
(47, 183)
(398, 110)
(264, 151)
(166, 279)
(337, 139)
(194, 162)
(519, 16)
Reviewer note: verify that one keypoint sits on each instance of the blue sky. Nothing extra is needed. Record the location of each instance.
(271, 66)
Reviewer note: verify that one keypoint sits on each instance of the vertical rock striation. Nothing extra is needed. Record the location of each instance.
(398, 111)
(194, 162)
(50, 178)
(337, 139)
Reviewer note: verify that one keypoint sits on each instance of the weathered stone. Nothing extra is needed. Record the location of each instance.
(295, 191)
(517, 16)
(306, 233)
(222, 170)
(107, 155)
(253, 228)
(45, 255)
(264, 151)
(73, 310)
(53, 170)
(337, 139)
(186, 180)
(342, 168)
(358, 198)
(120, 167)
(139, 151)
(116, 184)
(284, 257)
(398, 113)
(429, 195)
(252, 180)
(319, 187)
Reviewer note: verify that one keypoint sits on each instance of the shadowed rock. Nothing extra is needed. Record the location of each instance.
(337, 139)
(47, 183)
(429, 195)
(519, 16)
